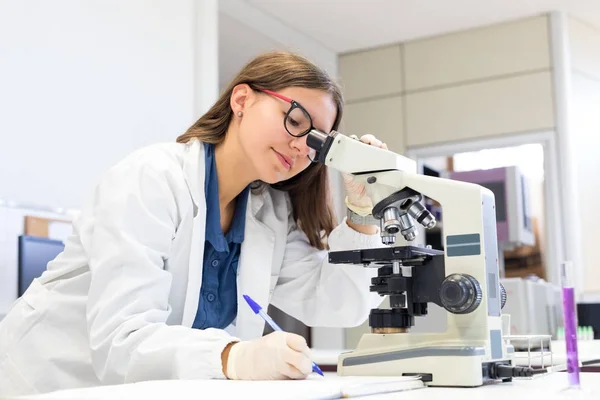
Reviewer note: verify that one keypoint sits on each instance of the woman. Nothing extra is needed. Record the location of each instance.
(149, 285)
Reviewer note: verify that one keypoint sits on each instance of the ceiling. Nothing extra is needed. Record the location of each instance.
(347, 25)
(322, 29)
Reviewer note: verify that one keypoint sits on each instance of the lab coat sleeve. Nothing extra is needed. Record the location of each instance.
(318, 293)
(134, 218)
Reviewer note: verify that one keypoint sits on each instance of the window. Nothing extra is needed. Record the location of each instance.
(529, 158)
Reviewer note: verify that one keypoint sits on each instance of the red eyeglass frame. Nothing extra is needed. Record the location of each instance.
(293, 104)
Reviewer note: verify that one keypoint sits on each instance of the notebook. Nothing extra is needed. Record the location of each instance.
(356, 386)
(313, 388)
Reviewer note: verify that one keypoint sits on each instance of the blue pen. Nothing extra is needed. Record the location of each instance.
(258, 310)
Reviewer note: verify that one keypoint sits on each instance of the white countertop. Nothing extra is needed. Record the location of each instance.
(550, 386)
(547, 387)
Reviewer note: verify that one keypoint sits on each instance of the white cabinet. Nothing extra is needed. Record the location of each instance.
(477, 54)
(501, 106)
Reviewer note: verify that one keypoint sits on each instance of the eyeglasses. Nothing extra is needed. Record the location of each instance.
(297, 120)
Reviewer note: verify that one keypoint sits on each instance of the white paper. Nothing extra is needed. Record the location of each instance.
(317, 388)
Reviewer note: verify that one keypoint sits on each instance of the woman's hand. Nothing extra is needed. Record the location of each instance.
(356, 194)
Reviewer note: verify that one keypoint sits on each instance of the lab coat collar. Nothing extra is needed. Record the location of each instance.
(193, 169)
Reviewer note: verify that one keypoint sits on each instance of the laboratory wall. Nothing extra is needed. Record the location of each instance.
(246, 30)
(372, 84)
(82, 85)
(478, 83)
(85, 83)
(584, 117)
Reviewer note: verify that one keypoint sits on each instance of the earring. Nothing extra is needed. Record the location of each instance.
(239, 114)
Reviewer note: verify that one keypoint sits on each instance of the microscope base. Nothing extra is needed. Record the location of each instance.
(439, 365)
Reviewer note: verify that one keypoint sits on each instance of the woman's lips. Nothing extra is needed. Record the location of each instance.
(285, 161)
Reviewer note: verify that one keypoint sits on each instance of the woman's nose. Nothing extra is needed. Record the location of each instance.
(299, 143)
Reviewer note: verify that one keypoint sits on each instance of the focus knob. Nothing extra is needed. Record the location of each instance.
(460, 293)
(502, 295)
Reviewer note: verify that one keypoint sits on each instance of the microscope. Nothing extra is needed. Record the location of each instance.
(463, 279)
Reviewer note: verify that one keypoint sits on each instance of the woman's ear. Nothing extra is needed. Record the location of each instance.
(240, 98)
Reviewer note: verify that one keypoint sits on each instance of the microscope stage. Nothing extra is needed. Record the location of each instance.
(408, 255)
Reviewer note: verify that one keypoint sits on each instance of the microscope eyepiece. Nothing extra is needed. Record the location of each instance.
(316, 139)
(320, 142)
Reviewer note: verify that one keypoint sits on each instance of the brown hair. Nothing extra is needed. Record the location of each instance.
(309, 190)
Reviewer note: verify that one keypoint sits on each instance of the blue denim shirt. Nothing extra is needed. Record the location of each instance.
(217, 307)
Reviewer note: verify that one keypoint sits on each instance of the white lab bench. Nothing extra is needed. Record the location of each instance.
(548, 387)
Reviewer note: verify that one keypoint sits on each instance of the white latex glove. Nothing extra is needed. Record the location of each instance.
(278, 355)
(356, 195)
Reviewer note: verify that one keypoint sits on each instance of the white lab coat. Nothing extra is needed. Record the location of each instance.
(117, 305)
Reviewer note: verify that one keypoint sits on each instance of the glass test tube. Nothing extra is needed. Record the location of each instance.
(570, 319)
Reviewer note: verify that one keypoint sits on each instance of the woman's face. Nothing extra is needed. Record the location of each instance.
(275, 154)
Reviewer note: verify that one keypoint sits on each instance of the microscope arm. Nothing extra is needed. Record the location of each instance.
(383, 174)
(352, 156)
